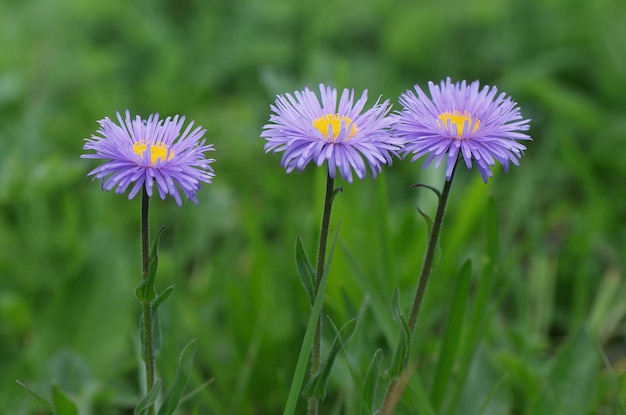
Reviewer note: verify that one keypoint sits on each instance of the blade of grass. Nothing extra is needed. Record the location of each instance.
(452, 336)
(307, 341)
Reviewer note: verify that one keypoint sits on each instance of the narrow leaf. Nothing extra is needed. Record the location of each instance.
(331, 251)
(306, 271)
(63, 405)
(307, 344)
(427, 219)
(452, 335)
(146, 291)
(425, 186)
(38, 397)
(371, 380)
(149, 399)
(172, 398)
(401, 354)
(478, 313)
(155, 242)
(162, 297)
(336, 192)
(317, 385)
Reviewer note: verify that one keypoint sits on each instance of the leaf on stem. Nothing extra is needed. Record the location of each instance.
(63, 405)
(172, 398)
(162, 297)
(307, 343)
(305, 270)
(371, 380)
(317, 384)
(149, 399)
(401, 354)
(336, 192)
(37, 396)
(146, 291)
(425, 186)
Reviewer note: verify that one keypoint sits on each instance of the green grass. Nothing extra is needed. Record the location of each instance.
(544, 329)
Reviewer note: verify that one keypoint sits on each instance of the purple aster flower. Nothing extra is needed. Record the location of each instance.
(145, 152)
(461, 118)
(309, 130)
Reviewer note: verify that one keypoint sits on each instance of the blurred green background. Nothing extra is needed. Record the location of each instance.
(554, 340)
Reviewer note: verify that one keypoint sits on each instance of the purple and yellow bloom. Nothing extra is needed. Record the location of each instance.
(148, 152)
(307, 129)
(478, 124)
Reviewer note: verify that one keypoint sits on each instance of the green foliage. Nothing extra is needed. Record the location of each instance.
(61, 403)
(149, 399)
(306, 271)
(318, 383)
(175, 393)
(452, 337)
(402, 351)
(371, 381)
(547, 283)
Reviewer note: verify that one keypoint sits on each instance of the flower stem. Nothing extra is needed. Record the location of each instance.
(397, 385)
(313, 402)
(146, 305)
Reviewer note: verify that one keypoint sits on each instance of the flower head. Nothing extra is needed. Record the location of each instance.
(460, 118)
(145, 152)
(309, 130)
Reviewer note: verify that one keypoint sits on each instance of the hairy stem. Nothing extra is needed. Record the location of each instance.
(313, 402)
(146, 305)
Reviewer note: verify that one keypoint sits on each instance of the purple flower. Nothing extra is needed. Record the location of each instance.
(462, 118)
(309, 130)
(145, 152)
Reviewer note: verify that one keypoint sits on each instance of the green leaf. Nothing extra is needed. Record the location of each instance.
(172, 398)
(38, 397)
(63, 405)
(317, 385)
(162, 297)
(425, 186)
(305, 270)
(146, 291)
(155, 242)
(307, 343)
(371, 380)
(149, 399)
(401, 354)
(336, 192)
(573, 376)
(478, 312)
(452, 335)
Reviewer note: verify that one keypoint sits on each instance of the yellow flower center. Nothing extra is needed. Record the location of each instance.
(457, 119)
(157, 151)
(334, 121)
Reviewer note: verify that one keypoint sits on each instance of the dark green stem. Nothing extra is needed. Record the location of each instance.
(313, 402)
(146, 305)
(397, 385)
(430, 252)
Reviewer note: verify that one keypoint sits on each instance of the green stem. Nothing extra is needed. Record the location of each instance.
(146, 305)
(430, 252)
(397, 385)
(313, 403)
